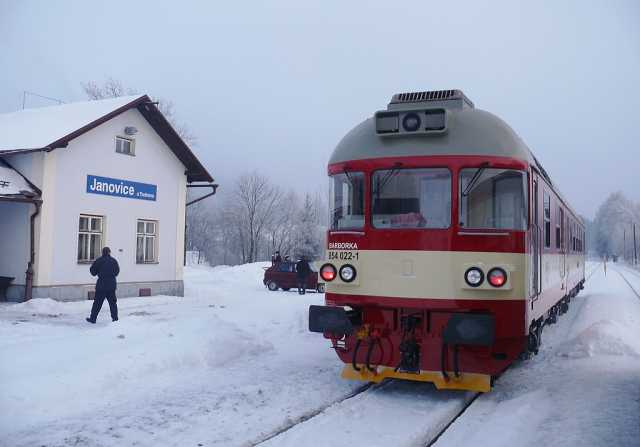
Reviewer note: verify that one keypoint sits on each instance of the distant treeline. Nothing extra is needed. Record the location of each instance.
(611, 232)
(254, 220)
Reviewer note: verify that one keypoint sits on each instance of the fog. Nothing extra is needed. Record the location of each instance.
(273, 86)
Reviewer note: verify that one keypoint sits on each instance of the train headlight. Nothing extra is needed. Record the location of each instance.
(411, 122)
(497, 277)
(474, 276)
(328, 272)
(347, 273)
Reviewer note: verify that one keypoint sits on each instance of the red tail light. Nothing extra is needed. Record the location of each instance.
(328, 272)
(497, 277)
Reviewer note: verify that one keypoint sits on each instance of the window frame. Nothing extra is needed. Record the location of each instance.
(525, 197)
(411, 168)
(558, 230)
(89, 232)
(546, 217)
(132, 145)
(145, 237)
(331, 204)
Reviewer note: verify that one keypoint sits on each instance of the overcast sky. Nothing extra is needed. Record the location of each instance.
(273, 86)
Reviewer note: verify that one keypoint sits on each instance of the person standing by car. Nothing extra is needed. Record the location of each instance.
(106, 269)
(277, 259)
(302, 272)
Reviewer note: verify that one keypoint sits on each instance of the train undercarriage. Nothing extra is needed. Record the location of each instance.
(454, 349)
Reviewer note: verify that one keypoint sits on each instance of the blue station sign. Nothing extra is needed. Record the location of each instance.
(120, 188)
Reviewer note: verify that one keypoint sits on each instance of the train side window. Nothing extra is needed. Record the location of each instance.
(547, 220)
(493, 199)
(561, 228)
(559, 218)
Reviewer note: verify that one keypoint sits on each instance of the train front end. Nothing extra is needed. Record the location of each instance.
(426, 265)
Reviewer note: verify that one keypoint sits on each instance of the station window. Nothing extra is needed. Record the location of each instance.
(90, 235)
(146, 241)
(547, 220)
(125, 146)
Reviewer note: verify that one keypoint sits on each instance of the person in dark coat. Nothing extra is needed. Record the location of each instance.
(106, 269)
(302, 272)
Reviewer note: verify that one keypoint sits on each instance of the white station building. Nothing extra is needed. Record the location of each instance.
(77, 177)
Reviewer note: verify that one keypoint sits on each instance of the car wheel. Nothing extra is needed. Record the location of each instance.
(320, 288)
(272, 286)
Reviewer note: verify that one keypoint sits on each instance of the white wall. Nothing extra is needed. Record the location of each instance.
(65, 198)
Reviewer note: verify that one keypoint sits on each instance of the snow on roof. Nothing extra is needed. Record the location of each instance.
(40, 127)
(13, 184)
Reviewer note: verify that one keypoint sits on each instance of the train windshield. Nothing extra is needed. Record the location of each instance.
(493, 199)
(412, 198)
(346, 201)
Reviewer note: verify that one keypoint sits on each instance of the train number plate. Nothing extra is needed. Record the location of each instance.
(343, 255)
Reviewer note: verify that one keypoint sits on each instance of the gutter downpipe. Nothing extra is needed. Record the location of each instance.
(30, 272)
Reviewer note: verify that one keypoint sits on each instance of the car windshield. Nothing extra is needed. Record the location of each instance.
(412, 198)
(493, 199)
(346, 201)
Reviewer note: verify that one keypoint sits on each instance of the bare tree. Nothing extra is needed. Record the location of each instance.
(201, 232)
(281, 232)
(113, 88)
(252, 210)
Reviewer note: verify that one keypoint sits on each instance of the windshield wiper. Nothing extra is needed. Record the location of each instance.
(381, 184)
(347, 174)
(475, 178)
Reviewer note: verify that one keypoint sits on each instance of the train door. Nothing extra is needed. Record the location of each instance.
(536, 241)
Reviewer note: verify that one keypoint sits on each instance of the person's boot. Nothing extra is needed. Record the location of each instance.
(115, 319)
(91, 321)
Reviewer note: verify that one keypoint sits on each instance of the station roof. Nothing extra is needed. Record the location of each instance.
(15, 187)
(49, 128)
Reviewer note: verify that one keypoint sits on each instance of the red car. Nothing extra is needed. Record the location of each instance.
(282, 275)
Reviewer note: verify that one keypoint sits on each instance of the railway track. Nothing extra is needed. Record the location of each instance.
(633, 289)
(316, 412)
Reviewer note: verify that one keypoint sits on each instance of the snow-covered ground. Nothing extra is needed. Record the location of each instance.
(226, 365)
(232, 363)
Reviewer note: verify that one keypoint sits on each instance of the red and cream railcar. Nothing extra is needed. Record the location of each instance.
(449, 247)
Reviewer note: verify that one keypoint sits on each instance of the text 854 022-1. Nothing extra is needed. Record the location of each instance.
(343, 255)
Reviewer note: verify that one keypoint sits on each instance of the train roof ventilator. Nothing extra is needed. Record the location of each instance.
(419, 113)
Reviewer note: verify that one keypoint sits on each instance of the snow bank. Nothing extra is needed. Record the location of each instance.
(604, 337)
(40, 306)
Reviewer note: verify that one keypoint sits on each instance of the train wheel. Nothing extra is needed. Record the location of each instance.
(272, 286)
